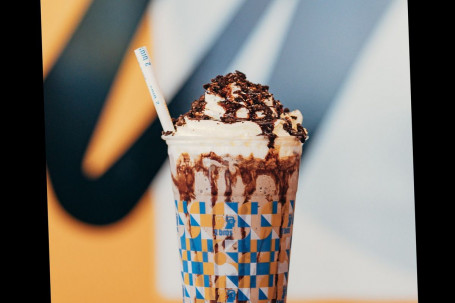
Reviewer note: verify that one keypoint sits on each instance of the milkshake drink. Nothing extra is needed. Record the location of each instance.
(234, 161)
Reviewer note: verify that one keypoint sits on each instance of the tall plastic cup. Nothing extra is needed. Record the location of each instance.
(234, 202)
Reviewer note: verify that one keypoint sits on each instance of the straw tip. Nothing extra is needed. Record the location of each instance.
(140, 48)
(141, 51)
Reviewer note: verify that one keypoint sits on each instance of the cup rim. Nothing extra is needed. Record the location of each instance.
(258, 138)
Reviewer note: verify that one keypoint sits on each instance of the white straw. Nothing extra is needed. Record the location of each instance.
(158, 100)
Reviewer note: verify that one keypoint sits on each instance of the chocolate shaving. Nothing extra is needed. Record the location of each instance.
(167, 133)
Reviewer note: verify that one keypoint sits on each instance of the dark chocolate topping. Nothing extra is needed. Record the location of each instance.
(260, 105)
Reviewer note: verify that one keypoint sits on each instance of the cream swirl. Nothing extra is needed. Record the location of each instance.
(233, 106)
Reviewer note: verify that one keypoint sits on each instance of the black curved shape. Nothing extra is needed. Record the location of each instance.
(75, 91)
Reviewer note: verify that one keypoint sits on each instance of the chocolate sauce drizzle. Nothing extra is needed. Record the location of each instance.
(255, 98)
(280, 169)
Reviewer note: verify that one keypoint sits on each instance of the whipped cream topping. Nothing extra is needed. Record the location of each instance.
(232, 106)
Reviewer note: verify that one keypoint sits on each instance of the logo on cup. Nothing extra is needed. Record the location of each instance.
(228, 222)
(287, 230)
(230, 294)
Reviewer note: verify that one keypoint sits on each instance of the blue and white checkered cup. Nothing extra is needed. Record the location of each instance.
(234, 240)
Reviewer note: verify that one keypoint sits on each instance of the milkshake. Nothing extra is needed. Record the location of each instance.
(234, 159)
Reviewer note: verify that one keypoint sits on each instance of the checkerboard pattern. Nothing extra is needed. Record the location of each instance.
(234, 252)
